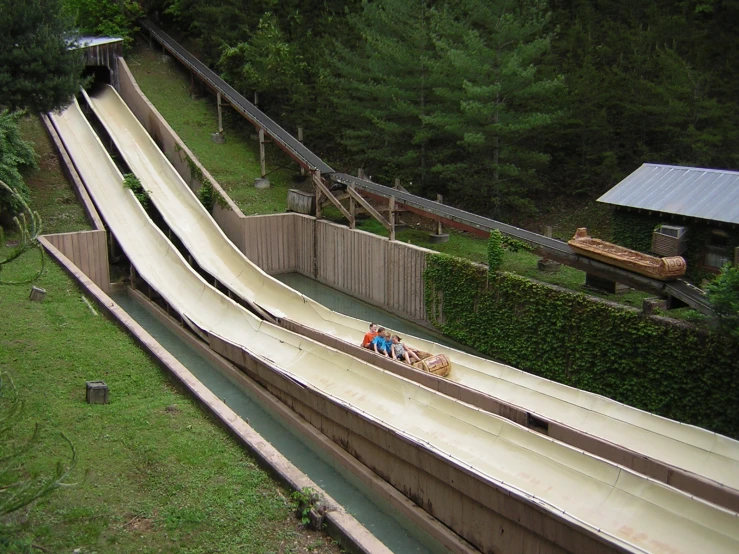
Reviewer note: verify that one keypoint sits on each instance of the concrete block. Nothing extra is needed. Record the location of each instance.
(37, 294)
(97, 392)
(261, 183)
(439, 239)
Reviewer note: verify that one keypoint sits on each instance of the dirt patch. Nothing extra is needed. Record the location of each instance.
(138, 524)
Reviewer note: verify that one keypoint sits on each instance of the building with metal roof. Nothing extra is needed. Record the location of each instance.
(673, 210)
(710, 194)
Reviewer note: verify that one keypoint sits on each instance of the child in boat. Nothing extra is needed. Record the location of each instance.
(400, 352)
(369, 337)
(382, 343)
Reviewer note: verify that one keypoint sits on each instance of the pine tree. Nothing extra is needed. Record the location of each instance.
(269, 65)
(38, 71)
(383, 89)
(15, 155)
(495, 100)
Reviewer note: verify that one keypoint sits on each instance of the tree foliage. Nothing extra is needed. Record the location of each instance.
(20, 487)
(269, 65)
(15, 155)
(383, 89)
(110, 18)
(29, 226)
(723, 294)
(38, 71)
(500, 106)
(495, 98)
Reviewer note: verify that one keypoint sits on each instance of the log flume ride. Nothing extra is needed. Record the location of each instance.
(664, 269)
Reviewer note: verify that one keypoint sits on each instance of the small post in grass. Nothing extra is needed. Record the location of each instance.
(37, 294)
(97, 392)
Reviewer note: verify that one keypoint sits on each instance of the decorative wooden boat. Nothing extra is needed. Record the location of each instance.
(663, 269)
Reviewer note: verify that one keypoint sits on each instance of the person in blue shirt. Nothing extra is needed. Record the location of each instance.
(382, 343)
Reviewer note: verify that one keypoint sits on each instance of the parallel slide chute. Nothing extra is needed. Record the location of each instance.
(707, 454)
(625, 508)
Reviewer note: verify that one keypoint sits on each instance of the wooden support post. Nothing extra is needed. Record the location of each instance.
(397, 183)
(367, 206)
(220, 115)
(440, 200)
(548, 231)
(256, 98)
(318, 192)
(329, 196)
(353, 212)
(300, 139)
(391, 217)
(262, 160)
(360, 173)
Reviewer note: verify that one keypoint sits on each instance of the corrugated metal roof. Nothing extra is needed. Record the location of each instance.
(87, 42)
(711, 194)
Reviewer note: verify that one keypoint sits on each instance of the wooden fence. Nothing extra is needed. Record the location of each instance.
(385, 273)
(88, 250)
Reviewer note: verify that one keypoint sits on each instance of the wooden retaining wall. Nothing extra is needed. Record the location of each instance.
(88, 250)
(385, 273)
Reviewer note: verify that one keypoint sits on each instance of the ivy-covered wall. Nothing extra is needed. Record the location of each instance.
(673, 370)
(633, 229)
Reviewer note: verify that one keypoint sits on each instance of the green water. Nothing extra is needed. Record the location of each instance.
(348, 305)
(388, 525)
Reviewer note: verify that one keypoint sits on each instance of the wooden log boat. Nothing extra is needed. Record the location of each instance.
(438, 364)
(663, 269)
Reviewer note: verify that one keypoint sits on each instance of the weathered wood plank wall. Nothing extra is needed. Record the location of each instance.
(270, 240)
(366, 266)
(88, 250)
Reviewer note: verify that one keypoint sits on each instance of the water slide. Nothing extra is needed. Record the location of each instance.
(712, 456)
(635, 513)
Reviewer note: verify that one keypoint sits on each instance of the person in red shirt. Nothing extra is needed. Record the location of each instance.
(370, 336)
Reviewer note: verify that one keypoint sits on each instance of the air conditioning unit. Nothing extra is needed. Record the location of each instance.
(669, 240)
(671, 231)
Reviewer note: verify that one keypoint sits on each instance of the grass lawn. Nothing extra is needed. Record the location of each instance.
(155, 474)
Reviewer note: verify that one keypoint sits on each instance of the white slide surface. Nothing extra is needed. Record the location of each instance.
(627, 509)
(690, 448)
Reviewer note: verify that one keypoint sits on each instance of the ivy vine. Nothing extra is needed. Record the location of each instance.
(130, 181)
(673, 370)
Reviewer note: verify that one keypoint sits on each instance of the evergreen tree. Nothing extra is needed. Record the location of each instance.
(495, 101)
(38, 71)
(383, 88)
(15, 155)
(270, 65)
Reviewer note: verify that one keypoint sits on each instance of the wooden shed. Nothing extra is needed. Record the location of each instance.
(672, 210)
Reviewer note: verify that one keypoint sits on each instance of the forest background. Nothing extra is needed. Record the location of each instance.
(502, 106)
